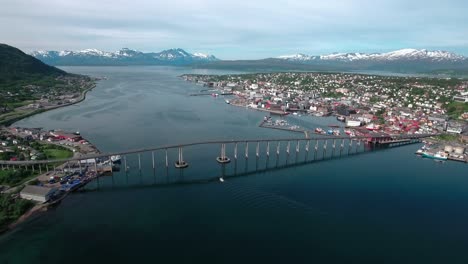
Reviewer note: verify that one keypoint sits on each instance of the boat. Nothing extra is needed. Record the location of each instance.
(227, 101)
(115, 158)
(336, 132)
(439, 155)
(319, 130)
(340, 118)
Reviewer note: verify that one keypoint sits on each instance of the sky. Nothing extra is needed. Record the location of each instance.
(236, 29)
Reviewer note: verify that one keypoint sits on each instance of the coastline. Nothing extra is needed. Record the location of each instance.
(82, 97)
(39, 209)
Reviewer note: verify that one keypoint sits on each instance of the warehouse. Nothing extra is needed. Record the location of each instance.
(37, 193)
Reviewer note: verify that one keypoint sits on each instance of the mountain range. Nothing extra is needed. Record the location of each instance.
(404, 60)
(124, 56)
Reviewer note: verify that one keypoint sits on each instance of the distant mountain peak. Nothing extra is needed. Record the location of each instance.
(125, 56)
(402, 54)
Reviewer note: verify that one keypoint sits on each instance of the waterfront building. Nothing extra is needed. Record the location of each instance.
(37, 193)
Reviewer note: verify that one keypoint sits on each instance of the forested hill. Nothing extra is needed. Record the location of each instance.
(16, 65)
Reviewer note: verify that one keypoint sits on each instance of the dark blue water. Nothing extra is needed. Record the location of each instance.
(387, 206)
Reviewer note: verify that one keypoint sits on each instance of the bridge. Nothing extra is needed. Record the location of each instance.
(229, 154)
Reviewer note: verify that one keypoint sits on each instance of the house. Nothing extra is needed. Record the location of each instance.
(37, 193)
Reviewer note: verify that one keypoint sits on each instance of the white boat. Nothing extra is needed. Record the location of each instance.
(115, 158)
(227, 101)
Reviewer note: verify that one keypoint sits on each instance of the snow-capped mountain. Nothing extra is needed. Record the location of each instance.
(403, 54)
(124, 56)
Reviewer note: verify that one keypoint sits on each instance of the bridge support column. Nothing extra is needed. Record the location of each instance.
(324, 154)
(334, 145)
(350, 145)
(32, 168)
(297, 150)
(223, 158)
(277, 153)
(167, 161)
(341, 147)
(139, 161)
(316, 149)
(268, 150)
(235, 151)
(40, 169)
(288, 148)
(246, 150)
(180, 163)
(307, 150)
(357, 146)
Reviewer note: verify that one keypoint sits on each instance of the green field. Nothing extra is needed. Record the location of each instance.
(55, 153)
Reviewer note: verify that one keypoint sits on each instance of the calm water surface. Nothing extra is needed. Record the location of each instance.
(381, 207)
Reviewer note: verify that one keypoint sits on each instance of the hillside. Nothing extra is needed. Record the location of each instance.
(28, 86)
(16, 65)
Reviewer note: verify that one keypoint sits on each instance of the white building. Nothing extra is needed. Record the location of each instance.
(37, 193)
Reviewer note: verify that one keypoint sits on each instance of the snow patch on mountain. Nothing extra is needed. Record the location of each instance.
(403, 54)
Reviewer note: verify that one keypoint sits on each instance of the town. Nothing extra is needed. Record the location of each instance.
(23, 99)
(48, 184)
(366, 104)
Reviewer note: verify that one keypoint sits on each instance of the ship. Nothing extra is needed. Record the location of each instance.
(340, 118)
(439, 155)
(227, 101)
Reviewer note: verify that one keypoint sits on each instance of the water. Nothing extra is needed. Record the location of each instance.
(380, 207)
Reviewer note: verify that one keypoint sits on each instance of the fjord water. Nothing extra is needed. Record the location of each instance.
(387, 206)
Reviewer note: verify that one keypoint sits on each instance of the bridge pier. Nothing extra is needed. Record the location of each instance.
(316, 149)
(180, 163)
(297, 149)
(307, 150)
(139, 161)
(277, 153)
(268, 149)
(341, 147)
(324, 154)
(334, 144)
(235, 151)
(288, 147)
(223, 158)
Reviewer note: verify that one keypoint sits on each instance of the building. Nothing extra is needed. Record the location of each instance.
(37, 193)
(59, 135)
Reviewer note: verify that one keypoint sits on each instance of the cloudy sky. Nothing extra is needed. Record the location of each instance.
(236, 29)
